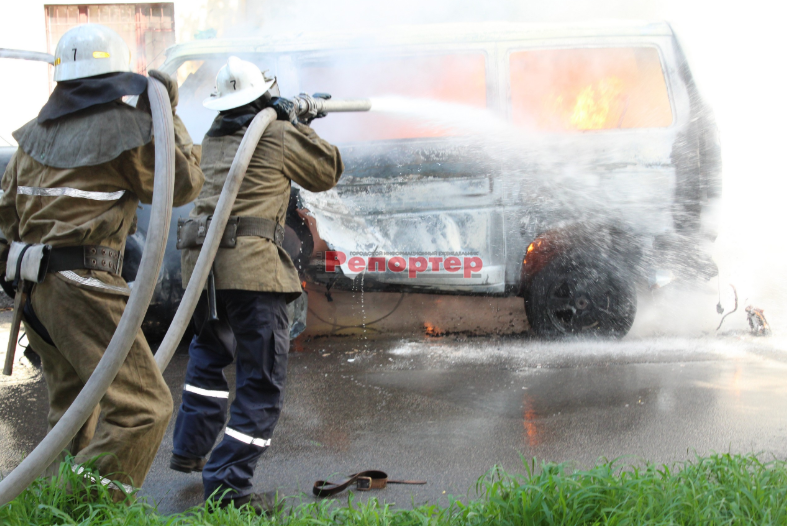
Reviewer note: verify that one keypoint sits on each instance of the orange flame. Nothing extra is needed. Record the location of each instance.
(594, 105)
(431, 330)
(589, 89)
(531, 430)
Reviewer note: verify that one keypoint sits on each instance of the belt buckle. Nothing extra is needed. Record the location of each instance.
(278, 238)
(367, 483)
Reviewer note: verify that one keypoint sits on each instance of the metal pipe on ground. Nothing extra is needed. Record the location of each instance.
(96, 387)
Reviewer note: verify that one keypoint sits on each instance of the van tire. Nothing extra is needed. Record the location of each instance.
(572, 296)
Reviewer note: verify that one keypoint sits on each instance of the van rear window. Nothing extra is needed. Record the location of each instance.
(589, 89)
(457, 78)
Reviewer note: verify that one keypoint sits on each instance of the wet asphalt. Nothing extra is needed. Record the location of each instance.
(447, 409)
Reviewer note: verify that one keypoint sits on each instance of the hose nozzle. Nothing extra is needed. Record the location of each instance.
(309, 107)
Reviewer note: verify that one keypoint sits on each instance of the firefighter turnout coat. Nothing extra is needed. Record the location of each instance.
(286, 152)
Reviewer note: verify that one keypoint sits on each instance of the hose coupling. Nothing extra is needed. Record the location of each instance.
(307, 107)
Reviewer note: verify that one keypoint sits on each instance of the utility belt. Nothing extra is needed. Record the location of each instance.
(29, 263)
(192, 230)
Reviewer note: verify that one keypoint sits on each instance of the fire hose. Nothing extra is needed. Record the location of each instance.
(27, 55)
(128, 327)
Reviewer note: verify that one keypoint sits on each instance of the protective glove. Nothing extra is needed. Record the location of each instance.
(143, 103)
(169, 83)
(182, 138)
(307, 119)
(285, 109)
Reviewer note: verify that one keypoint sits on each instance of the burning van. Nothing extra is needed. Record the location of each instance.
(568, 165)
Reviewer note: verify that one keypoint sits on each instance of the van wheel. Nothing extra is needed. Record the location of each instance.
(570, 296)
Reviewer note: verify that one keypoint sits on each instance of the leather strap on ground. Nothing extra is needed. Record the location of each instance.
(364, 481)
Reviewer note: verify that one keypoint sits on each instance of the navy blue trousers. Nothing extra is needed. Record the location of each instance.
(253, 330)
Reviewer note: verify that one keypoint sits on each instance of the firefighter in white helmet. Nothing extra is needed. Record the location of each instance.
(254, 280)
(83, 166)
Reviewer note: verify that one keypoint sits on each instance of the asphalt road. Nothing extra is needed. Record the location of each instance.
(446, 409)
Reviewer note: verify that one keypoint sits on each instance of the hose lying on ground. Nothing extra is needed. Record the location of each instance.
(96, 387)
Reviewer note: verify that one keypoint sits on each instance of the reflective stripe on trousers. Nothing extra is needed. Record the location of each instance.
(92, 282)
(246, 439)
(253, 331)
(206, 392)
(104, 482)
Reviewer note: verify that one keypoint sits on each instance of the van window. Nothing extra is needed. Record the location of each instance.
(457, 78)
(589, 89)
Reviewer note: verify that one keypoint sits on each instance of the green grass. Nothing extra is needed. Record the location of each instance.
(718, 489)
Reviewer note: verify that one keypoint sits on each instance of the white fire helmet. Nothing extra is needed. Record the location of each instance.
(237, 83)
(89, 50)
